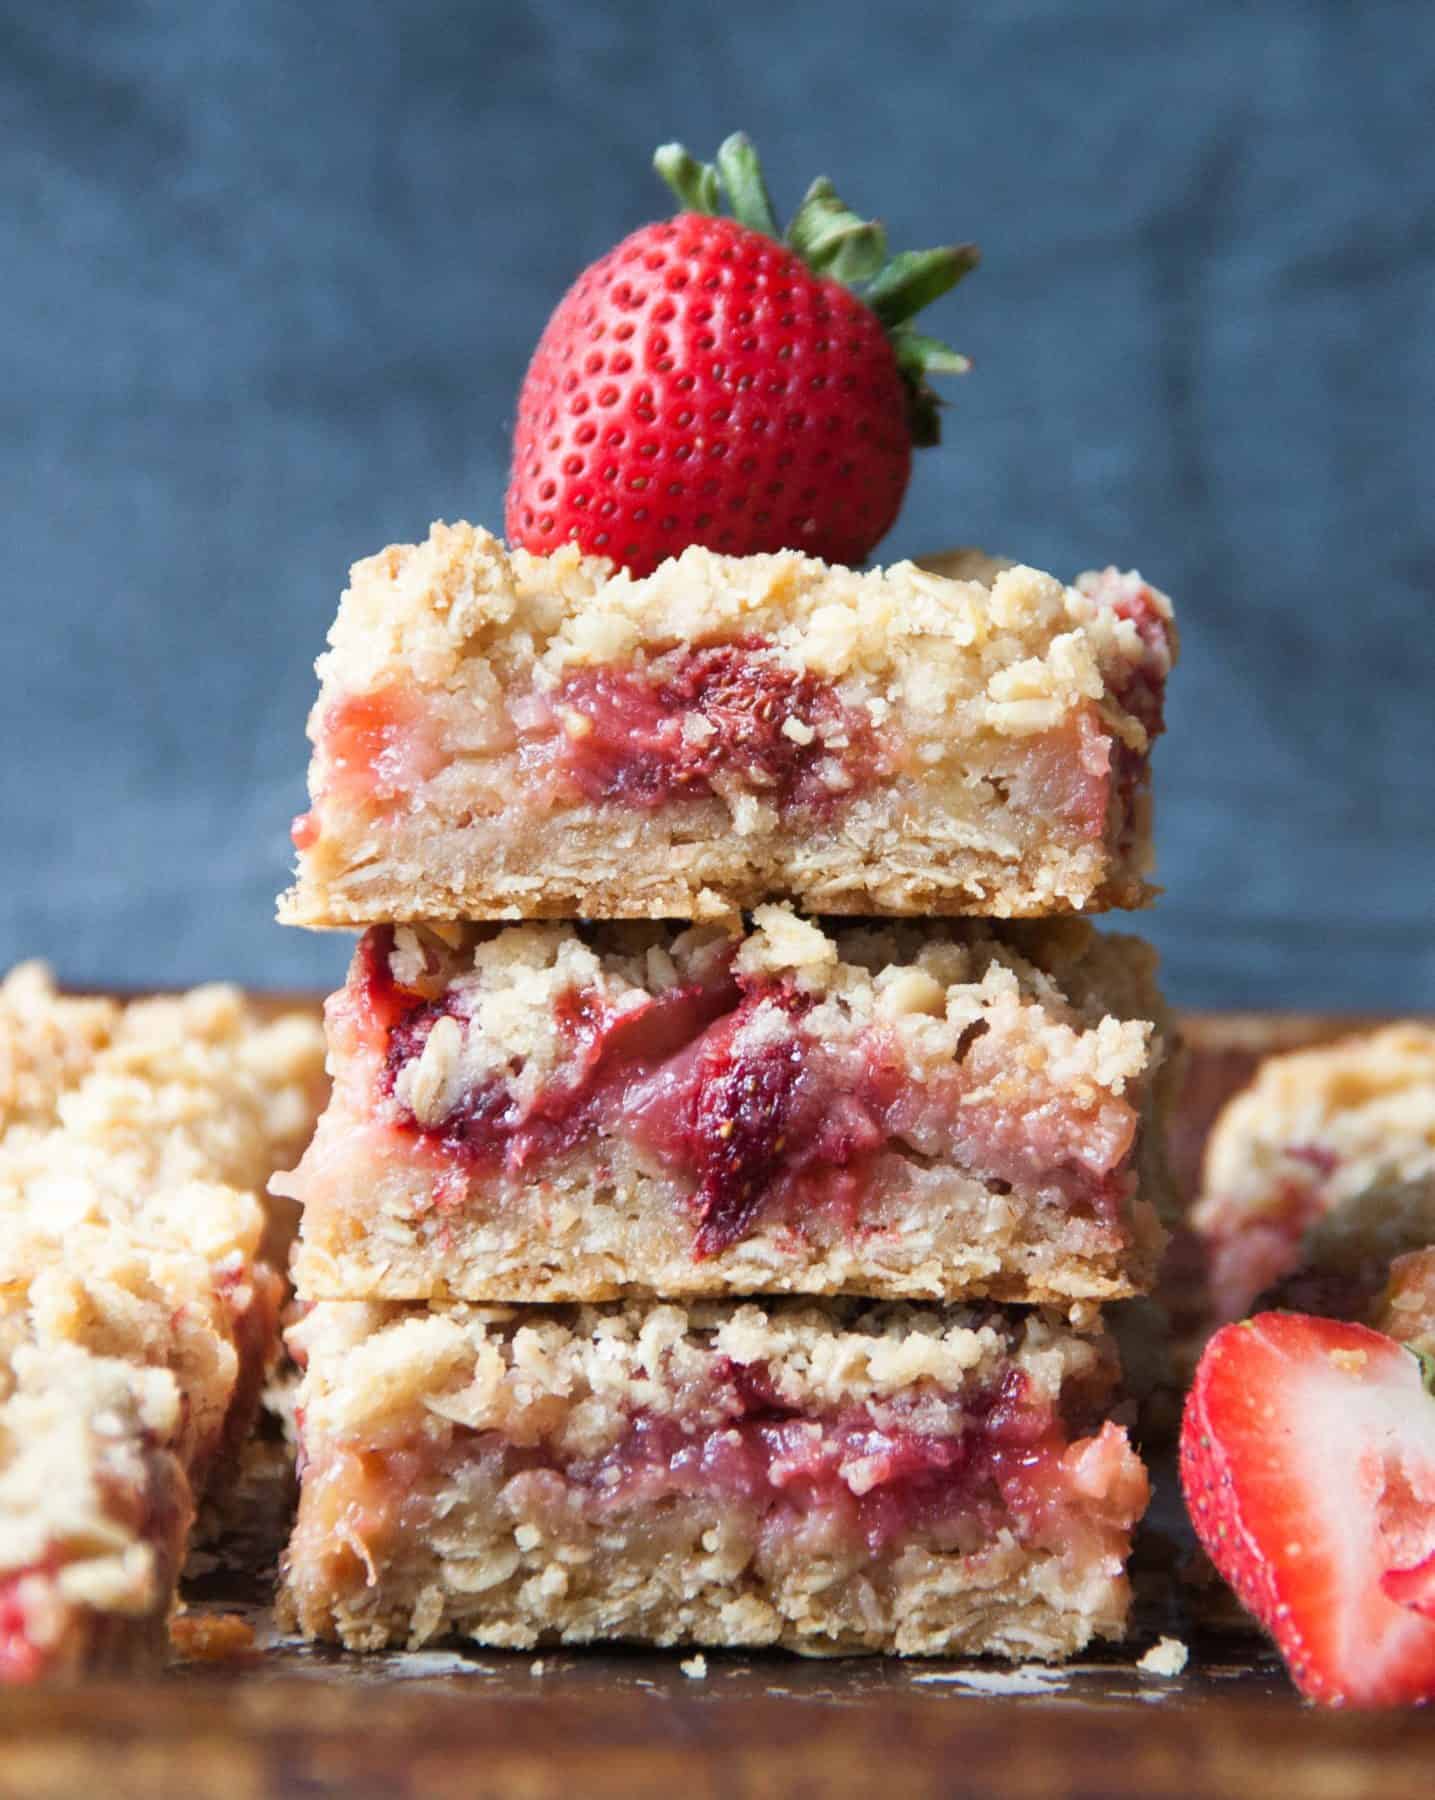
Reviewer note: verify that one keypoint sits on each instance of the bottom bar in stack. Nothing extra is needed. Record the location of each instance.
(829, 1477)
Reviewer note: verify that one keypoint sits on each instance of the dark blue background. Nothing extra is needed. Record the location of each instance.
(272, 273)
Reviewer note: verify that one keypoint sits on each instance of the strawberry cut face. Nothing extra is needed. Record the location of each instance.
(1413, 1587)
(1308, 1465)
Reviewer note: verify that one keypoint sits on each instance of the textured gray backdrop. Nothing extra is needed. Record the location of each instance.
(271, 273)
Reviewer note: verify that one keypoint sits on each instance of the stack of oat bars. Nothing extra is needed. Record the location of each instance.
(736, 1133)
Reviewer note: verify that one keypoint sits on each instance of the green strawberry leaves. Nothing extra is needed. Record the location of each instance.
(833, 240)
(838, 243)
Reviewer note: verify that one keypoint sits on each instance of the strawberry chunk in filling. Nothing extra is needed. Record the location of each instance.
(21, 1658)
(1065, 774)
(753, 1112)
(701, 720)
(374, 750)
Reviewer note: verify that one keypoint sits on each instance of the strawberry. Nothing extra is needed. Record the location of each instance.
(709, 382)
(1308, 1466)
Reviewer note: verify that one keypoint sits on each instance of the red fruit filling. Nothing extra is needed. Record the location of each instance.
(873, 1476)
(608, 1050)
(376, 752)
(20, 1658)
(748, 1122)
(881, 1481)
(1143, 695)
(1249, 1254)
(703, 720)
(1065, 774)
(724, 1085)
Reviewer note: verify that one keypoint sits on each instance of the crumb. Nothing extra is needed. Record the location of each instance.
(695, 1668)
(1167, 1656)
(210, 1637)
(536, 1667)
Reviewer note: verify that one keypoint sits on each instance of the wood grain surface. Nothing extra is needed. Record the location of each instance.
(288, 1720)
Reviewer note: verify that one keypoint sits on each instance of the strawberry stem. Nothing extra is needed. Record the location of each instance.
(695, 184)
(740, 172)
(914, 278)
(836, 242)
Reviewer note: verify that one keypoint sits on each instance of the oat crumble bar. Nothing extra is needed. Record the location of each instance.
(139, 1314)
(830, 1478)
(551, 1112)
(95, 1510)
(499, 736)
(1315, 1130)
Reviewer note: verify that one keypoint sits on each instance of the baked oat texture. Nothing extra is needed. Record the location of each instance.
(409, 1529)
(193, 1086)
(1312, 1178)
(95, 1509)
(138, 1313)
(1341, 1117)
(999, 686)
(1040, 1018)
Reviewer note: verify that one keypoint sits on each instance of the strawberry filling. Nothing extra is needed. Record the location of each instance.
(21, 1659)
(748, 1116)
(698, 721)
(1142, 692)
(874, 1480)
(374, 751)
(1066, 774)
(607, 1050)
(949, 1469)
(754, 1112)
(1249, 1254)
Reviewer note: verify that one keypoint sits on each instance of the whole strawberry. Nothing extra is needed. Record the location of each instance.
(708, 382)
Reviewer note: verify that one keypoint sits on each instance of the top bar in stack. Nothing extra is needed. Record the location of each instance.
(501, 735)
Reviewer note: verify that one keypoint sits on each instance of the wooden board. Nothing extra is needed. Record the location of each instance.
(289, 1720)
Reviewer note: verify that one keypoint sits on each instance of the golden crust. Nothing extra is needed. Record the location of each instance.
(373, 1368)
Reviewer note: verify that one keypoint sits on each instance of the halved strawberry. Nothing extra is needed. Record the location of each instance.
(1308, 1466)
